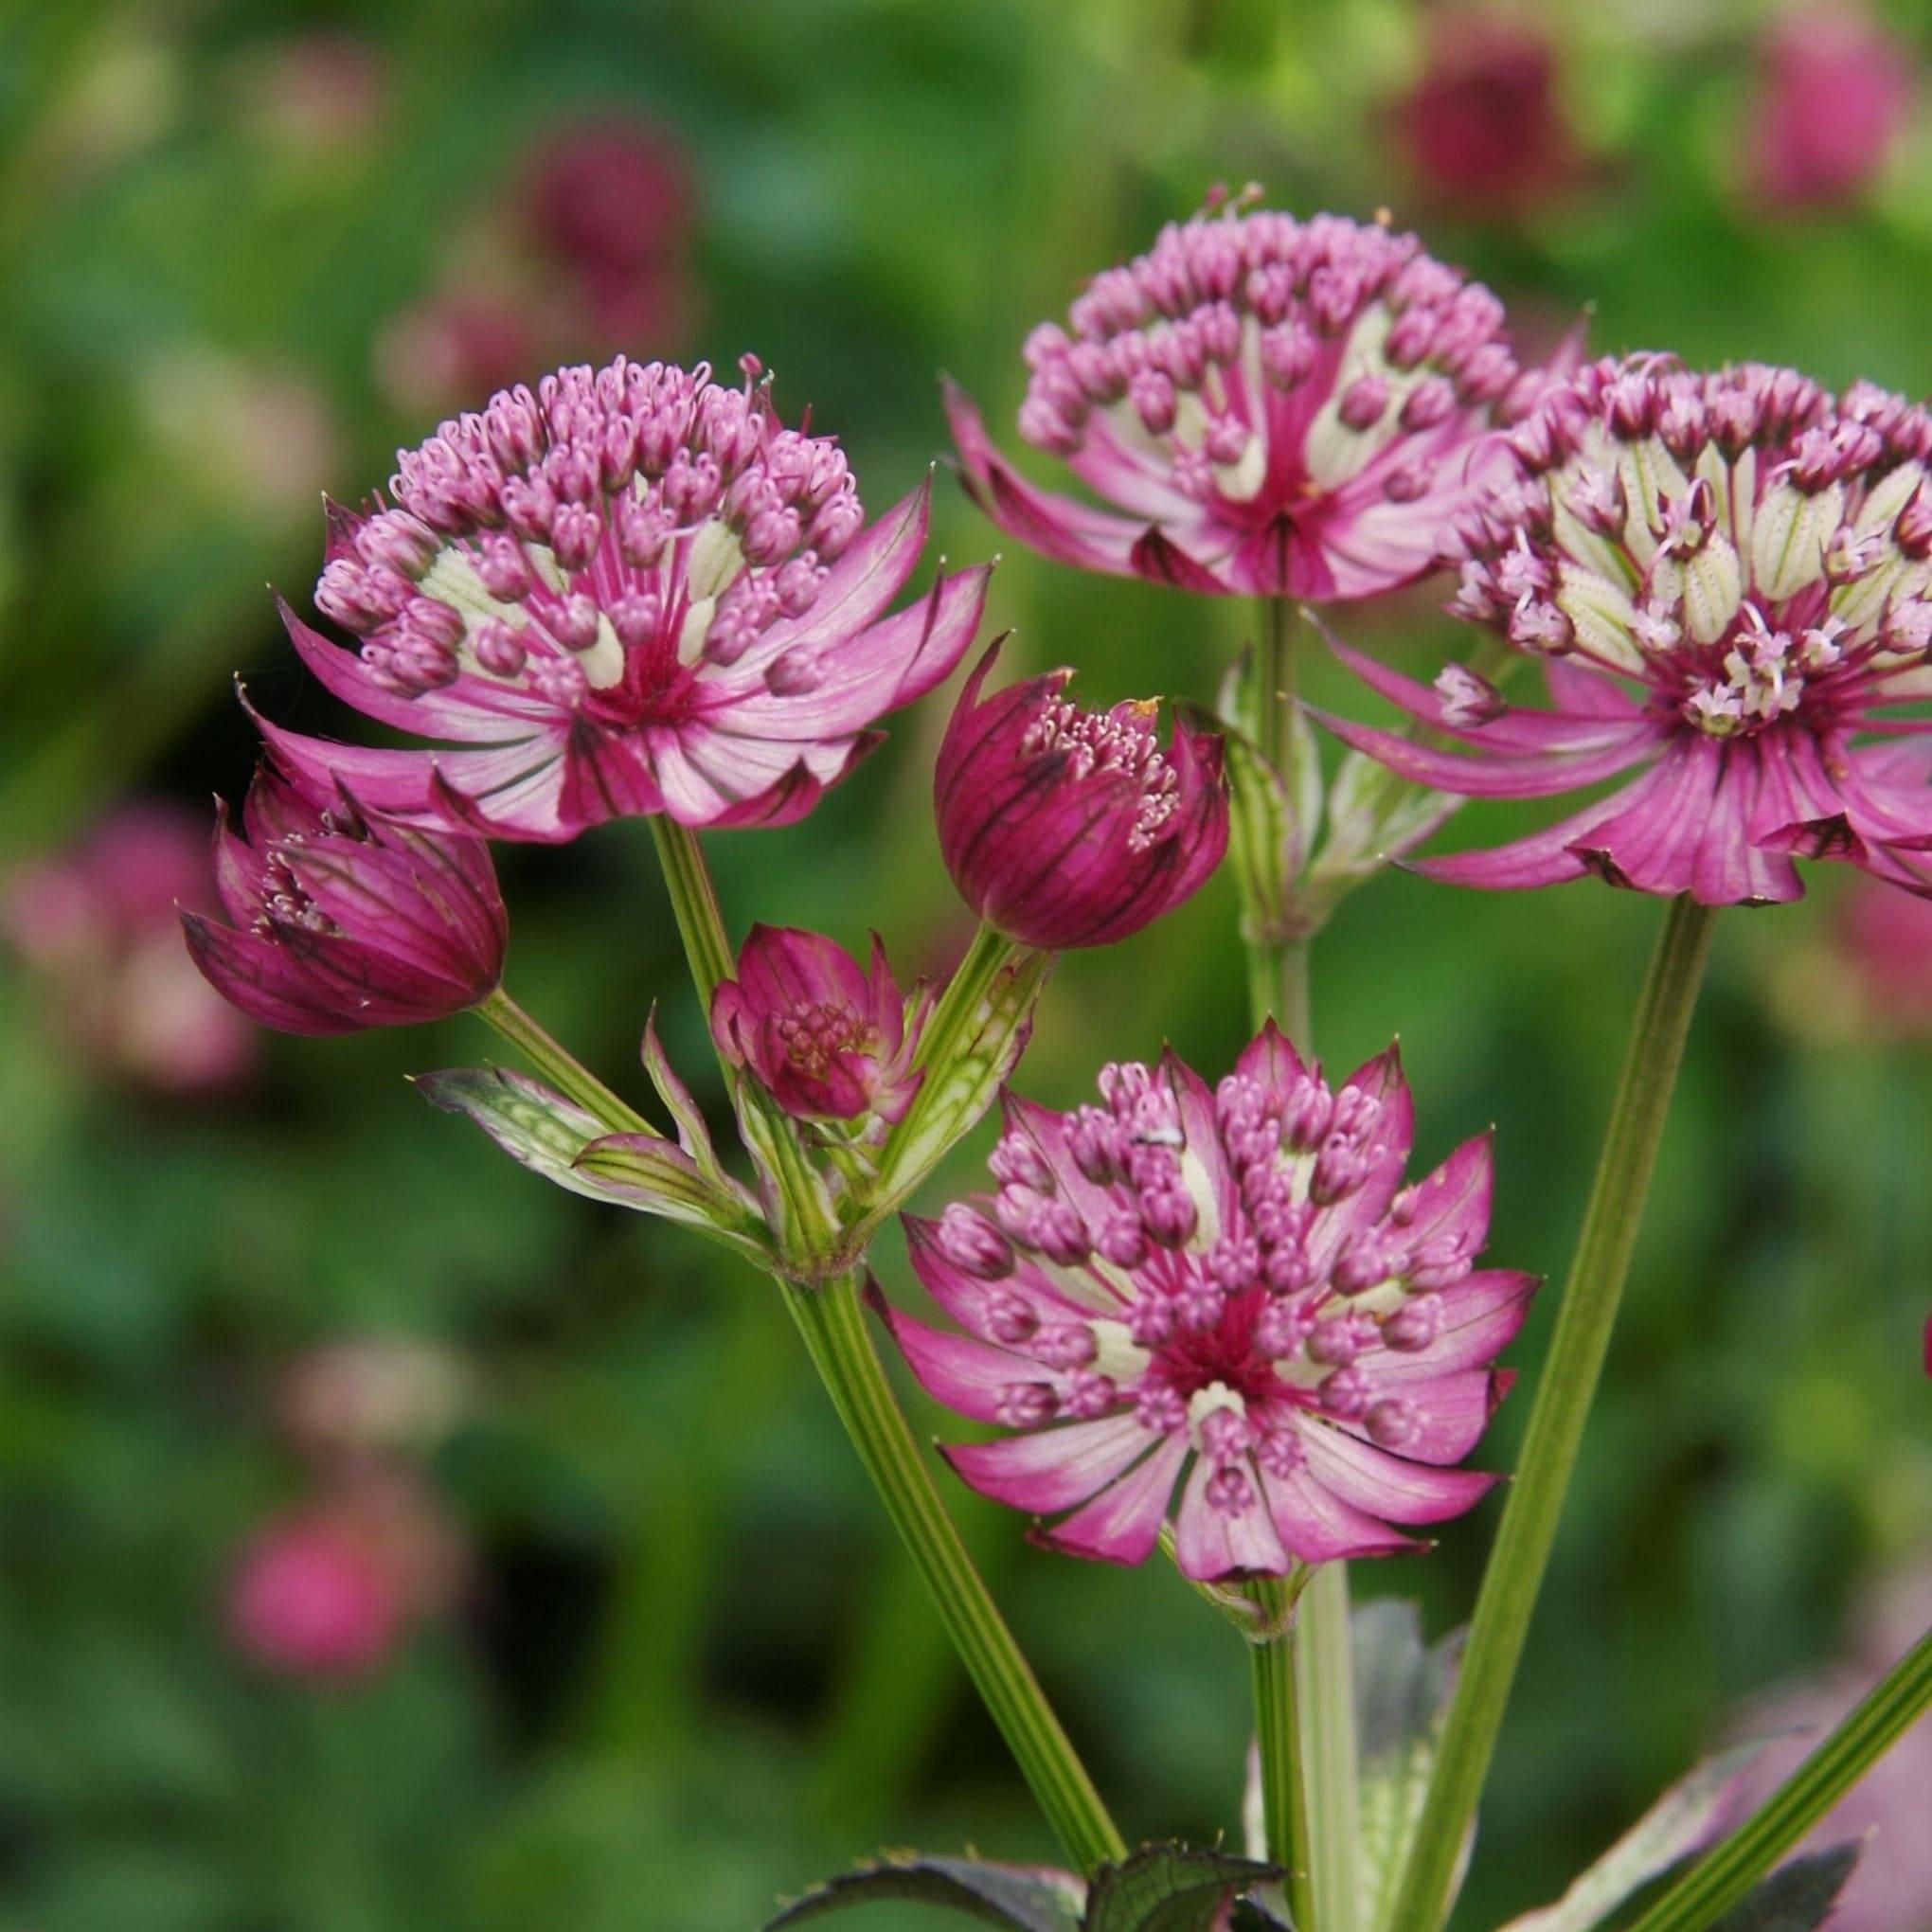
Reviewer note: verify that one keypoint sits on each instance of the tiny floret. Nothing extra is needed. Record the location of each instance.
(1221, 1306)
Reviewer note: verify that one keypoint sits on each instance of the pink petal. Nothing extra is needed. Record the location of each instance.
(1316, 1526)
(1209, 1544)
(1481, 1316)
(1050, 1468)
(1496, 776)
(963, 1374)
(1391, 1487)
(1123, 1522)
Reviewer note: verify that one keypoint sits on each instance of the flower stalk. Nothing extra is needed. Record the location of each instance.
(832, 1321)
(829, 1316)
(1563, 1395)
(558, 1065)
(1716, 1883)
(1302, 1669)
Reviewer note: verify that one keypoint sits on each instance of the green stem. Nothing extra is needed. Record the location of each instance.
(830, 1318)
(1303, 1675)
(1278, 964)
(694, 902)
(1717, 1882)
(557, 1065)
(833, 1322)
(1563, 1395)
(1285, 1800)
(957, 1012)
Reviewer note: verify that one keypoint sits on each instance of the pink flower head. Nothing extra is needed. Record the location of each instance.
(1835, 95)
(312, 1598)
(96, 922)
(1727, 576)
(1069, 828)
(632, 591)
(343, 919)
(1227, 1294)
(1484, 126)
(1274, 407)
(827, 1038)
(1883, 940)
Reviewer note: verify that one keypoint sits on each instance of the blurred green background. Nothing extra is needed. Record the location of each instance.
(668, 1665)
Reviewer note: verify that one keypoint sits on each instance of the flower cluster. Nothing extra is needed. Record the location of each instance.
(1275, 407)
(343, 919)
(1070, 828)
(633, 591)
(1229, 1291)
(827, 1038)
(1728, 578)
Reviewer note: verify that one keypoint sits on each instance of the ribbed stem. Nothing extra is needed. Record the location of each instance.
(1563, 1395)
(830, 1317)
(557, 1065)
(1717, 1882)
(1285, 1801)
(833, 1322)
(1304, 1678)
(1278, 966)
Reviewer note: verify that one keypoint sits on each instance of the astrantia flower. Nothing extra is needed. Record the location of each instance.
(1274, 407)
(827, 1038)
(1728, 576)
(1070, 828)
(1229, 1295)
(344, 919)
(632, 591)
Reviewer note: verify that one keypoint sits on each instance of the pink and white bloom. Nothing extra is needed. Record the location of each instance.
(1069, 828)
(1834, 96)
(826, 1037)
(631, 592)
(1226, 1294)
(1272, 407)
(343, 919)
(1728, 578)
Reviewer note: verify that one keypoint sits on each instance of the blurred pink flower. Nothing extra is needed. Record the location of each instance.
(1069, 828)
(609, 203)
(1890, 1890)
(312, 1598)
(318, 94)
(585, 251)
(1728, 578)
(1227, 1293)
(632, 591)
(1272, 407)
(1835, 94)
(342, 920)
(827, 1038)
(97, 924)
(329, 1589)
(1886, 938)
(1484, 128)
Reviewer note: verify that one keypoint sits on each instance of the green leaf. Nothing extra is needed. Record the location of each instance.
(1170, 1889)
(1681, 1822)
(532, 1123)
(554, 1137)
(693, 1132)
(1401, 1695)
(1018, 1898)
(1797, 1897)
